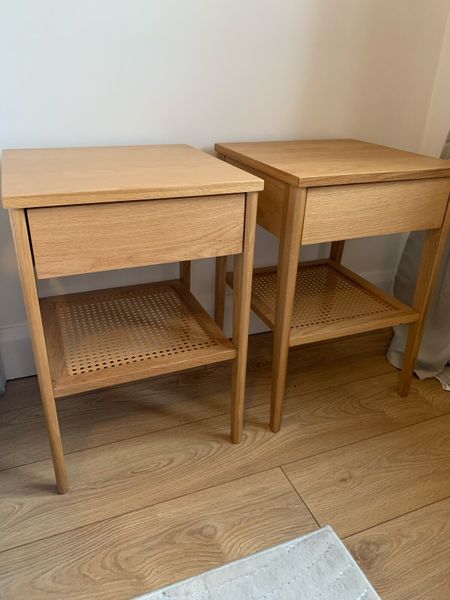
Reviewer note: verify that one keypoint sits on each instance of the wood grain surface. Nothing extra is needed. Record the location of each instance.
(364, 484)
(38, 342)
(159, 466)
(370, 209)
(161, 494)
(119, 413)
(309, 163)
(134, 553)
(61, 176)
(69, 240)
(271, 200)
(408, 558)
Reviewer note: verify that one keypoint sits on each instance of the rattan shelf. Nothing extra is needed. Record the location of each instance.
(87, 210)
(330, 301)
(319, 191)
(102, 338)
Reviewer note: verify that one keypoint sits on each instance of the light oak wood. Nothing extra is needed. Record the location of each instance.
(220, 285)
(128, 475)
(135, 553)
(142, 549)
(310, 163)
(374, 344)
(370, 209)
(69, 240)
(31, 299)
(181, 205)
(243, 269)
(370, 287)
(220, 290)
(271, 199)
(370, 482)
(265, 312)
(400, 313)
(288, 257)
(119, 413)
(357, 325)
(429, 269)
(332, 318)
(337, 250)
(408, 557)
(61, 176)
(353, 189)
(264, 309)
(196, 349)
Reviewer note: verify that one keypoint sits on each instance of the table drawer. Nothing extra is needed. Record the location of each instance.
(77, 239)
(342, 212)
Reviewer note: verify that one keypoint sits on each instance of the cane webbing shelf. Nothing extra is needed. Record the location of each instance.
(123, 207)
(319, 191)
(330, 301)
(112, 336)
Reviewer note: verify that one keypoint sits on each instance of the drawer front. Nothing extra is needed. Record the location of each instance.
(343, 212)
(99, 237)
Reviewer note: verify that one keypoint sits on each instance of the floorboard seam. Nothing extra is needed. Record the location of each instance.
(371, 437)
(281, 466)
(408, 512)
(301, 498)
(136, 510)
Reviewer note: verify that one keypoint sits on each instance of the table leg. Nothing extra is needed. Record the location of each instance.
(242, 291)
(288, 257)
(429, 268)
(30, 293)
(221, 273)
(185, 273)
(337, 250)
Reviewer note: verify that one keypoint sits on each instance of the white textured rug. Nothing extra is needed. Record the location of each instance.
(316, 566)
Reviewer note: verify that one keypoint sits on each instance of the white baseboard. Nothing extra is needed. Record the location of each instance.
(17, 356)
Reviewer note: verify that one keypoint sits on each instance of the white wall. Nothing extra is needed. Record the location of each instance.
(79, 72)
(438, 120)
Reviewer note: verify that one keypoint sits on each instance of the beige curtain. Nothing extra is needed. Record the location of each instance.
(2, 380)
(434, 355)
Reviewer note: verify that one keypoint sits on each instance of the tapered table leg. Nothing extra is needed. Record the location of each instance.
(288, 258)
(242, 290)
(429, 268)
(30, 293)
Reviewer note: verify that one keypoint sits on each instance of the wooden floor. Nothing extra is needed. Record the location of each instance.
(158, 493)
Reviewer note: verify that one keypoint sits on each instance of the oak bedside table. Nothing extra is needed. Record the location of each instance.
(330, 191)
(83, 210)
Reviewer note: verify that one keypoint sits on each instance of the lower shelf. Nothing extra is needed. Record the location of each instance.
(330, 301)
(103, 338)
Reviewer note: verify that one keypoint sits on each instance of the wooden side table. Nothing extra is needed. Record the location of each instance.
(82, 210)
(330, 191)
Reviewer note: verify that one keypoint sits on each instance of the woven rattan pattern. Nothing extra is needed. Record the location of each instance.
(123, 327)
(322, 295)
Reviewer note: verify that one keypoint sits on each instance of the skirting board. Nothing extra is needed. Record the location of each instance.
(16, 353)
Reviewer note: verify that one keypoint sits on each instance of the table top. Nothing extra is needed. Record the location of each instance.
(60, 176)
(310, 163)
